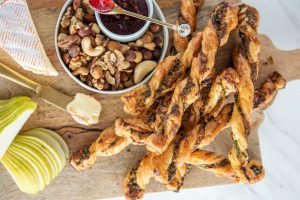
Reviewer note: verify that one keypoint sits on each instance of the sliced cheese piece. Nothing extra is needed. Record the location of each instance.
(85, 109)
(19, 38)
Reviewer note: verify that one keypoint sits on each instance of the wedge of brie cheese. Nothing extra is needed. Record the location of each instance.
(19, 38)
(85, 109)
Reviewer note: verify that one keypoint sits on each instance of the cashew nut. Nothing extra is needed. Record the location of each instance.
(150, 46)
(138, 57)
(142, 69)
(125, 48)
(86, 45)
(111, 80)
(81, 71)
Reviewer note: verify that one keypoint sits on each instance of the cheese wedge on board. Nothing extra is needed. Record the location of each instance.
(19, 38)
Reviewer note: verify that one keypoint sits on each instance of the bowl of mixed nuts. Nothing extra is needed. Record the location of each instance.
(101, 64)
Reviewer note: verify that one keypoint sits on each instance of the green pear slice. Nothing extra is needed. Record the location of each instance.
(42, 161)
(49, 140)
(46, 147)
(12, 168)
(13, 115)
(37, 147)
(56, 136)
(33, 162)
(31, 182)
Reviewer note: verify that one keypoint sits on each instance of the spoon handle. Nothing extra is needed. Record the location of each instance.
(155, 21)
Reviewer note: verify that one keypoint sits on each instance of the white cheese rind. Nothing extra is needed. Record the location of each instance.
(19, 38)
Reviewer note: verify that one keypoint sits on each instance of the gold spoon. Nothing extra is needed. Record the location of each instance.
(183, 30)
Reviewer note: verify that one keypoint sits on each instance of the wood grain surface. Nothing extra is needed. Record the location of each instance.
(105, 178)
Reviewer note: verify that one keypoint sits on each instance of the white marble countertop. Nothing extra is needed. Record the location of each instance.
(279, 133)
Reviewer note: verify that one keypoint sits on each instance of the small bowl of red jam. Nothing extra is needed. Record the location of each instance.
(125, 28)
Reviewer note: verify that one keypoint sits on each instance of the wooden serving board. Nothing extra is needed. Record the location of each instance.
(105, 179)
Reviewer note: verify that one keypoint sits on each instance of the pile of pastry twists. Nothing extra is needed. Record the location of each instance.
(187, 104)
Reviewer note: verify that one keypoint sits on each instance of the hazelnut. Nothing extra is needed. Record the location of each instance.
(158, 41)
(113, 45)
(89, 18)
(147, 55)
(124, 77)
(89, 79)
(155, 28)
(157, 53)
(130, 56)
(74, 51)
(66, 58)
(84, 31)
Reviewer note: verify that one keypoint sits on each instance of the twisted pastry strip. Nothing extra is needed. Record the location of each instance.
(222, 22)
(110, 144)
(107, 144)
(220, 166)
(167, 74)
(268, 91)
(138, 100)
(169, 167)
(203, 134)
(187, 16)
(246, 63)
(222, 86)
(198, 4)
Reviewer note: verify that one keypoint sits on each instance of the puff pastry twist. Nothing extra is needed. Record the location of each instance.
(246, 64)
(223, 20)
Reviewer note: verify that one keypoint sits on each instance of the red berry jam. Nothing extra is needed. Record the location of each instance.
(102, 6)
(126, 25)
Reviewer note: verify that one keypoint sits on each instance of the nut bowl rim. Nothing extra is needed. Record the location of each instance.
(165, 33)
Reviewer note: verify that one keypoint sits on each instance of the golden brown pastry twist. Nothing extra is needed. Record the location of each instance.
(167, 74)
(220, 166)
(223, 21)
(246, 64)
(268, 90)
(187, 15)
(107, 144)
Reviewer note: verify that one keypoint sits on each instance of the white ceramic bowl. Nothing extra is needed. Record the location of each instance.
(131, 37)
(157, 13)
